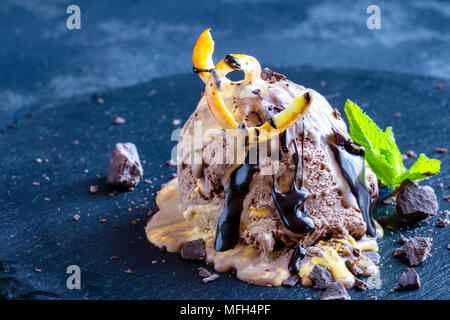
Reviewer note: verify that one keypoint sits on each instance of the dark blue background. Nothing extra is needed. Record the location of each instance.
(127, 42)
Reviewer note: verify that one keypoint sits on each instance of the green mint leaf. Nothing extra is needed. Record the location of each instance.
(421, 169)
(382, 152)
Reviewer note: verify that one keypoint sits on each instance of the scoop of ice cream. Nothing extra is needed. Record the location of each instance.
(204, 172)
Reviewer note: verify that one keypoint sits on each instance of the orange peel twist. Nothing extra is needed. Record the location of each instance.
(215, 79)
(202, 55)
(218, 79)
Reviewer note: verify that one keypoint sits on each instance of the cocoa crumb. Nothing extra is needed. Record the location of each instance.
(93, 189)
(442, 223)
(119, 120)
(411, 154)
(171, 163)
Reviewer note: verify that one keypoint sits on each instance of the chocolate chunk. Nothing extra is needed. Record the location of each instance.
(193, 250)
(415, 249)
(203, 273)
(291, 281)
(335, 291)
(321, 277)
(441, 150)
(125, 168)
(256, 91)
(372, 255)
(352, 267)
(415, 203)
(271, 76)
(210, 278)
(399, 253)
(409, 280)
(360, 285)
(442, 223)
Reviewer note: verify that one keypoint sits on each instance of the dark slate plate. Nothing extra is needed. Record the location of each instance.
(39, 234)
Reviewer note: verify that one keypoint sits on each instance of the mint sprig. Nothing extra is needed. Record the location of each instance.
(382, 152)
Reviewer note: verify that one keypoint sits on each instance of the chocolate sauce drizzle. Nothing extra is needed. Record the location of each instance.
(272, 123)
(232, 62)
(350, 157)
(291, 204)
(297, 256)
(195, 70)
(227, 235)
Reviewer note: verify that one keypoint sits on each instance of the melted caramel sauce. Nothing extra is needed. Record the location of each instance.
(168, 229)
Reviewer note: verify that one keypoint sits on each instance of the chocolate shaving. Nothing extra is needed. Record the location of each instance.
(210, 278)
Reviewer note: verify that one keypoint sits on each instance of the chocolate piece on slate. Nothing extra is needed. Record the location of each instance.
(415, 203)
(335, 291)
(193, 250)
(321, 277)
(410, 280)
(125, 168)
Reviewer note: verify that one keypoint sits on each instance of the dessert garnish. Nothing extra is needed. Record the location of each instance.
(382, 152)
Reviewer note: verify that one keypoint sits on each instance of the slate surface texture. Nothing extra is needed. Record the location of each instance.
(75, 138)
